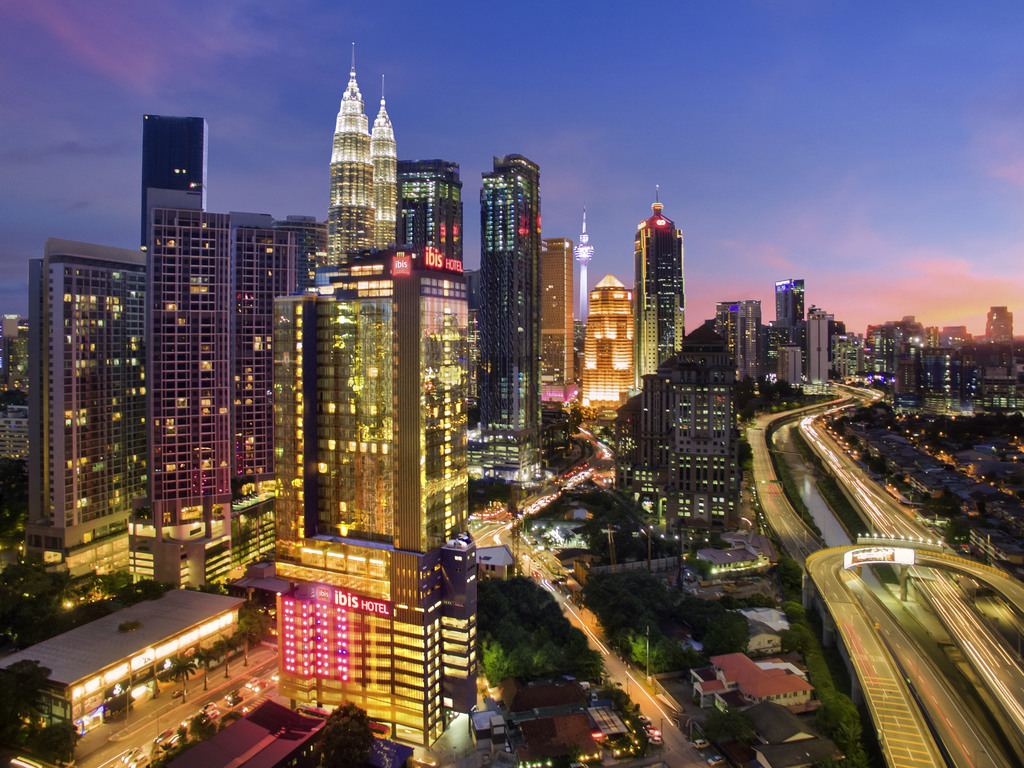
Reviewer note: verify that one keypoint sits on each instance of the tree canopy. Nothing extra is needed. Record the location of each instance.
(523, 634)
(345, 740)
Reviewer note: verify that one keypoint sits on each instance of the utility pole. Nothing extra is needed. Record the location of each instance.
(513, 511)
(648, 652)
(611, 545)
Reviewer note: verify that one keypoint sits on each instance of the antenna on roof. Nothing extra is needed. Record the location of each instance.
(657, 187)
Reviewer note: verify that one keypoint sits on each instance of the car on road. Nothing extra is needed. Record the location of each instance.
(234, 698)
(255, 684)
(701, 743)
(211, 711)
(715, 760)
(177, 694)
(166, 740)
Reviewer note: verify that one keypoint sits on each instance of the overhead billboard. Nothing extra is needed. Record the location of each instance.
(879, 556)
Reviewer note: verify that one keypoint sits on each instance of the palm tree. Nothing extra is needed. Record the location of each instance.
(204, 657)
(253, 625)
(181, 669)
(231, 643)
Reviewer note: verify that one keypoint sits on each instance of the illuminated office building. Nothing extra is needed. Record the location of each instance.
(350, 216)
(510, 393)
(681, 456)
(14, 353)
(608, 353)
(658, 295)
(310, 247)
(87, 404)
(999, 325)
(557, 375)
(739, 323)
(372, 478)
(385, 187)
(818, 345)
(789, 302)
(430, 206)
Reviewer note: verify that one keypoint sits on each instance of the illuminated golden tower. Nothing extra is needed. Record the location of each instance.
(385, 177)
(350, 217)
(608, 350)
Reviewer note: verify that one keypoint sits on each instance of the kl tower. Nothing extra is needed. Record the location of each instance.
(584, 252)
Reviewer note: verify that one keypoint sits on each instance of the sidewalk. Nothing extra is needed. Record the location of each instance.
(164, 712)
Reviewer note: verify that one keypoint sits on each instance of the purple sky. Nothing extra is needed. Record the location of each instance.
(874, 149)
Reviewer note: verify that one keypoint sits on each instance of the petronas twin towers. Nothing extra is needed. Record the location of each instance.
(364, 192)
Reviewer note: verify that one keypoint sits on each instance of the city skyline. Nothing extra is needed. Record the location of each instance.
(880, 162)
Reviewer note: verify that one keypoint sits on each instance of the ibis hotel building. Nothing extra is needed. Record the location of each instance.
(370, 438)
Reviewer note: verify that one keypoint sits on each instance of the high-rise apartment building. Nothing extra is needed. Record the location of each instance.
(557, 375)
(173, 165)
(473, 352)
(510, 400)
(211, 284)
(608, 356)
(789, 302)
(999, 325)
(385, 177)
(678, 440)
(430, 207)
(370, 391)
(658, 293)
(87, 463)
(739, 323)
(818, 345)
(310, 247)
(350, 215)
(584, 252)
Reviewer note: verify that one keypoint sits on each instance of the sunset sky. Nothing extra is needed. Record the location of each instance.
(874, 149)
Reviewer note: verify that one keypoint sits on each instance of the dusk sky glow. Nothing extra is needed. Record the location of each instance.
(874, 149)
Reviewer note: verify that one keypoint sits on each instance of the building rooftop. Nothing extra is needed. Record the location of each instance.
(496, 556)
(85, 650)
(755, 681)
(261, 739)
(776, 724)
(557, 735)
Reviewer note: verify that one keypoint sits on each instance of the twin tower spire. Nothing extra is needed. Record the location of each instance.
(364, 174)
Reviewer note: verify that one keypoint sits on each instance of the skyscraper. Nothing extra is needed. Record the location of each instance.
(683, 462)
(789, 302)
(999, 325)
(818, 345)
(350, 216)
(430, 206)
(658, 293)
(510, 402)
(14, 353)
(87, 463)
(310, 247)
(557, 374)
(370, 391)
(211, 283)
(385, 189)
(174, 162)
(584, 253)
(608, 355)
(739, 323)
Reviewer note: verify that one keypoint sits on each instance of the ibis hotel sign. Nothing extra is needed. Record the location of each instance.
(878, 556)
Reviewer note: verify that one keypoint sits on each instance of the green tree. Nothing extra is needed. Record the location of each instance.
(728, 725)
(204, 657)
(21, 685)
(790, 574)
(181, 669)
(55, 743)
(344, 741)
(253, 624)
(729, 634)
(202, 727)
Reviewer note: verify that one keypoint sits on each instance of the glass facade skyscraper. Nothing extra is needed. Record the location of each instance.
(430, 206)
(739, 323)
(173, 159)
(658, 293)
(510, 349)
(789, 302)
(372, 476)
(608, 356)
